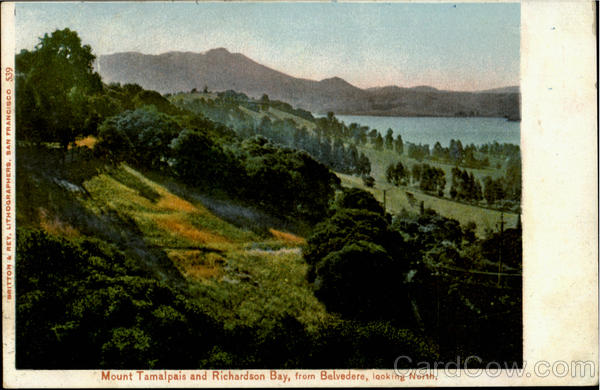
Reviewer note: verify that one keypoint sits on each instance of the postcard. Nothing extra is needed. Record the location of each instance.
(299, 194)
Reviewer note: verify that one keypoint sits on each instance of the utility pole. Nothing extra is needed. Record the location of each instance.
(385, 198)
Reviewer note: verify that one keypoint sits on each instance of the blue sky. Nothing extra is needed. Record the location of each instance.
(449, 46)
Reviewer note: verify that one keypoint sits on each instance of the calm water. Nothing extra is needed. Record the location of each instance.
(426, 130)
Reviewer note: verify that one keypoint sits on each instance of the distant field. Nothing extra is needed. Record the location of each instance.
(273, 113)
(380, 159)
(398, 199)
(278, 114)
(257, 116)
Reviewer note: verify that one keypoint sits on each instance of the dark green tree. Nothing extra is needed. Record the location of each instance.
(142, 136)
(399, 145)
(355, 198)
(198, 160)
(396, 174)
(378, 145)
(364, 165)
(356, 240)
(58, 78)
(368, 181)
(357, 280)
(264, 102)
(389, 139)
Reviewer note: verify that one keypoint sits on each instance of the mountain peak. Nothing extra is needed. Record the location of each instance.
(218, 50)
(424, 88)
(336, 82)
(334, 79)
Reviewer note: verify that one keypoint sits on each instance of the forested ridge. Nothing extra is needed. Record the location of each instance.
(211, 230)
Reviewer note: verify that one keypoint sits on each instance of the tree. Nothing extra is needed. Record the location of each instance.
(378, 142)
(418, 152)
(353, 159)
(30, 122)
(416, 173)
(142, 136)
(153, 98)
(84, 303)
(368, 181)
(60, 77)
(364, 165)
(432, 179)
(456, 151)
(469, 231)
(396, 174)
(339, 155)
(438, 151)
(287, 182)
(114, 143)
(357, 280)
(355, 198)
(399, 145)
(197, 159)
(465, 186)
(264, 102)
(493, 189)
(373, 135)
(389, 139)
(513, 179)
(355, 260)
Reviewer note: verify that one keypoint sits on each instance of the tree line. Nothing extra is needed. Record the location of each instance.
(464, 186)
(428, 178)
(331, 152)
(327, 144)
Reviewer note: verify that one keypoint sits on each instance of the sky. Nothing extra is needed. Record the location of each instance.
(448, 46)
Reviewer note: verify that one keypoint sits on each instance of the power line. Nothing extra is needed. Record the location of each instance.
(472, 272)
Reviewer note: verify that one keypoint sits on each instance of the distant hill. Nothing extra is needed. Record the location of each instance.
(511, 89)
(219, 70)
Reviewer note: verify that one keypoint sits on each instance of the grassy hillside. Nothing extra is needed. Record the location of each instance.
(410, 198)
(240, 276)
(200, 103)
(398, 198)
(380, 159)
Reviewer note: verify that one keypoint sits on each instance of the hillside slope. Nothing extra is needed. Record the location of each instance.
(242, 276)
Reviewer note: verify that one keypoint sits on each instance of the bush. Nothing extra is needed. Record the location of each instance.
(368, 181)
(86, 305)
(355, 198)
(356, 263)
(373, 344)
(289, 183)
(198, 160)
(142, 136)
(357, 280)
